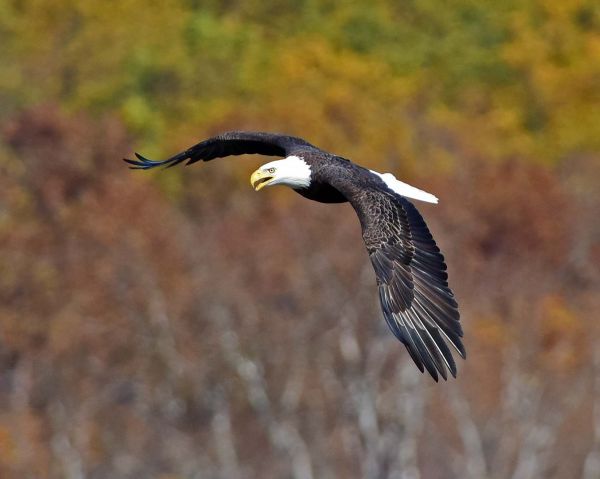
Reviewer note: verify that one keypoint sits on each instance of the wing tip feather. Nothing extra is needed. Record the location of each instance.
(143, 163)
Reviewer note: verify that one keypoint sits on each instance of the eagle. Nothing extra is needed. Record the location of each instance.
(418, 305)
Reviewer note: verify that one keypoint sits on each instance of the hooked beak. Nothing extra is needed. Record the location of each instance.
(259, 179)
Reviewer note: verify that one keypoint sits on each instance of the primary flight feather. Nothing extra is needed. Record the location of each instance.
(417, 303)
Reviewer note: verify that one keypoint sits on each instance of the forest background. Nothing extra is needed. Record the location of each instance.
(177, 324)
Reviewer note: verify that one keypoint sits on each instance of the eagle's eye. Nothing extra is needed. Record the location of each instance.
(271, 170)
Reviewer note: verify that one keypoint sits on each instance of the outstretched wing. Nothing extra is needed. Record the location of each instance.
(417, 303)
(231, 143)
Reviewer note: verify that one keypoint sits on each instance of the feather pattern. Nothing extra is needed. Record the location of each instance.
(227, 144)
(417, 303)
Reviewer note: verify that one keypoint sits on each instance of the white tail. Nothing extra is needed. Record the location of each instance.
(405, 189)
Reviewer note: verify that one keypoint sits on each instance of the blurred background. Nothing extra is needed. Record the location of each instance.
(178, 325)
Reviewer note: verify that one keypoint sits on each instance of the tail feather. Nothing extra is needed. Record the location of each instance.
(405, 189)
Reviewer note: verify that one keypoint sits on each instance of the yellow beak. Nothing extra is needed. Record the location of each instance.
(259, 179)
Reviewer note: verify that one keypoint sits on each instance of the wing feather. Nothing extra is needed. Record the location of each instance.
(227, 144)
(417, 303)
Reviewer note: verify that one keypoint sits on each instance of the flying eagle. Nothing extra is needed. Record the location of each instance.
(417, 303)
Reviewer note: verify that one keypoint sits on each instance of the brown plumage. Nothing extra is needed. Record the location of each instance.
(417, 303)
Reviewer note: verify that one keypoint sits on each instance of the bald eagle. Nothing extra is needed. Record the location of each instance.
(418, 306)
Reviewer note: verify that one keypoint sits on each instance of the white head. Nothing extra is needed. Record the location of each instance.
(292, 171)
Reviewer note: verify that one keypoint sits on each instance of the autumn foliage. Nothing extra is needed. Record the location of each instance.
(177, 324)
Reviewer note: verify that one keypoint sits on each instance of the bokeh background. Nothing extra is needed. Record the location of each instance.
(178, 325)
